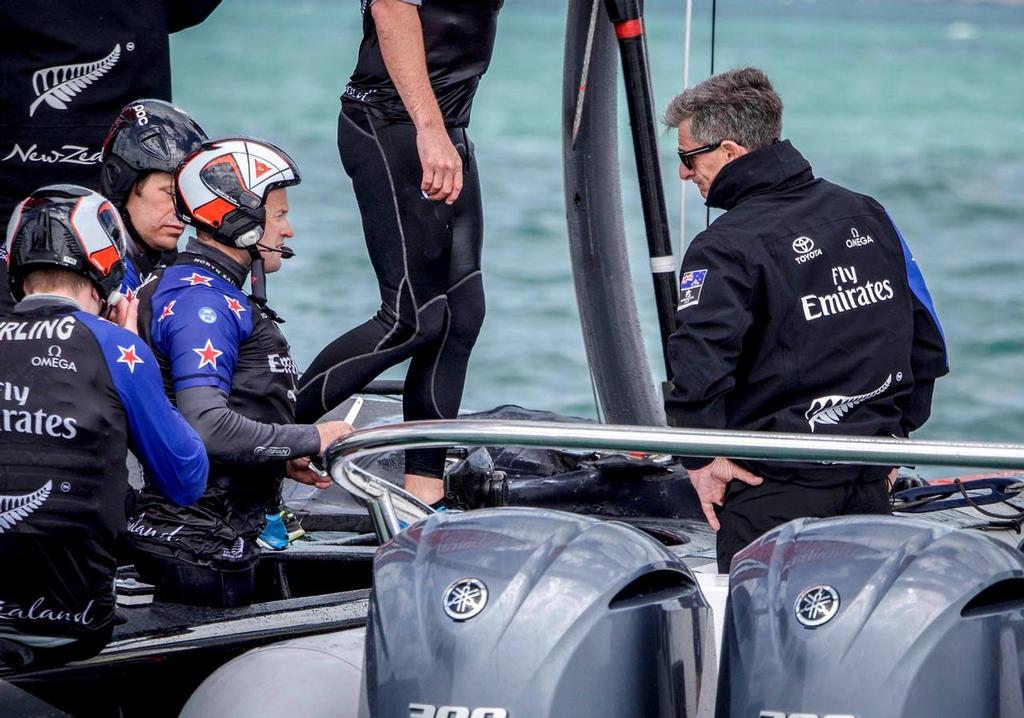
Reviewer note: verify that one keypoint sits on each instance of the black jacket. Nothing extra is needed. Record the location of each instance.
(801, 310)
(77, 393)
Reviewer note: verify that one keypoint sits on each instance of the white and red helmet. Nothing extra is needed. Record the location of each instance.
(222, 187)
(69, 227)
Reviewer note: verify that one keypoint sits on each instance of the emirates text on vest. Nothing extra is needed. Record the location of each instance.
(845, 298)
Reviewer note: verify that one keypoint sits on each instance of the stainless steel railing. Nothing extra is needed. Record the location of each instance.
(684, 442)
(389, 505)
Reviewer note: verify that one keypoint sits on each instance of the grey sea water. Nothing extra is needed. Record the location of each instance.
(920, 104)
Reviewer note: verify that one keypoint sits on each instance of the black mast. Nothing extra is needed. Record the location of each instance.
(627, 18)
(597, 237)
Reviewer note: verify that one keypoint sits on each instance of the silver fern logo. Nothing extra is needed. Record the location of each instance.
(832, 409)
(59, 85)
(235, 551)
(15, 509)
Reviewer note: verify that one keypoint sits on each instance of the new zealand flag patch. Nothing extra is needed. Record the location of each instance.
(689, 287)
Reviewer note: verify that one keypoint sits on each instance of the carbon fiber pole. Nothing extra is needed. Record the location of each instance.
(627, 18)
(597, 236)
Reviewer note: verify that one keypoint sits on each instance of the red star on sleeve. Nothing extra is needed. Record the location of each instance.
(197, 278)
(207, 354)
(235, 306)
(129, 357)
(168, 310)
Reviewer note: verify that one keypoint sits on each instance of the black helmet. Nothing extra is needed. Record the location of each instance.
(147, 136)
(69, 227)
(222, 187)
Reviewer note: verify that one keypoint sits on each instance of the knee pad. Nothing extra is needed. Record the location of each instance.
(415, 329)
(431, 318)
(467, 306)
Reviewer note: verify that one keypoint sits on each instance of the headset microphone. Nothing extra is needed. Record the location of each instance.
(285, 251)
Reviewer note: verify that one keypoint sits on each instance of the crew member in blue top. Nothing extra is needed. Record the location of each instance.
(230, 371)
(143, 148)
(77, 392)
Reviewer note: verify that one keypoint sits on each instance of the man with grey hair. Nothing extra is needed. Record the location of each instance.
(801, 310)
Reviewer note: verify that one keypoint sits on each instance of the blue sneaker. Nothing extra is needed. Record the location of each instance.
(274, 535)
(439, 507)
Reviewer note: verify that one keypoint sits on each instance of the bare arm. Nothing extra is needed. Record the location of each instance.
(401, 44)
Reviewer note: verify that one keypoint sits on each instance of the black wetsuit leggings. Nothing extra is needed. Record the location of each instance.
(426, 255)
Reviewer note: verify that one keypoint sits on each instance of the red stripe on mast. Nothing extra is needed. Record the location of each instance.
(629, 28)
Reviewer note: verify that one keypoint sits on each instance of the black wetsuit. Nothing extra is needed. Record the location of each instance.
(228, 366)
(426, 254)
(66, 69)
(801, 310)
(76, 393)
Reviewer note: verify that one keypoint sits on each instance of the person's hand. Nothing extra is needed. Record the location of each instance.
(891, 478)
(331, 431)
(710, 481)
(301, 471)
(442, 165)
(126, 314)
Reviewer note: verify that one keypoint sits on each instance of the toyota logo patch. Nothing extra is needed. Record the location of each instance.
(817, 606)
(803, 245)
(465, 598)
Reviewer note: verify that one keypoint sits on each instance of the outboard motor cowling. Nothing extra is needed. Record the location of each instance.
(873, 617)
(530, 613)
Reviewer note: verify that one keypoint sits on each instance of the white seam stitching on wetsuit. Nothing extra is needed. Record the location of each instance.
(437, 361)
(326, 372)
(368, 354)
(398, 319)
(440, 351)
(398, 220)
(462, 281)
(405, 267)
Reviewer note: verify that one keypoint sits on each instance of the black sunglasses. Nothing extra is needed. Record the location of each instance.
(687, 157)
